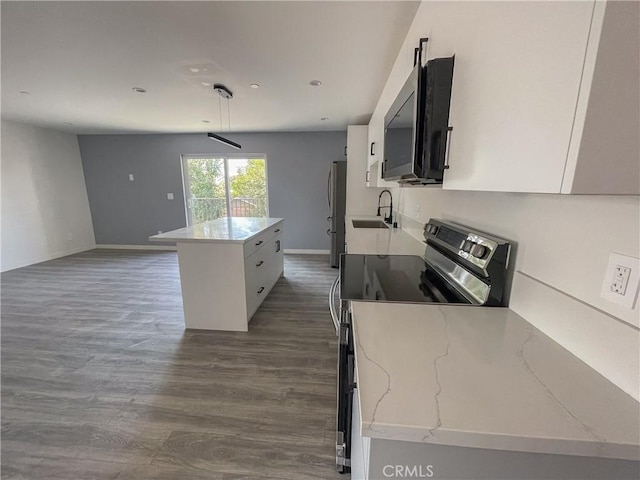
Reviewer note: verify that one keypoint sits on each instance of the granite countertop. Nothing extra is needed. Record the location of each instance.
(485, 378)
(222, 230)
(380, 241)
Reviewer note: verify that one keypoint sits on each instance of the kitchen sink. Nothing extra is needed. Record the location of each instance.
(369, 224)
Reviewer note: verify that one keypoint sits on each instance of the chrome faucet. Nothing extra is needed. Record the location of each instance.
(388, 219)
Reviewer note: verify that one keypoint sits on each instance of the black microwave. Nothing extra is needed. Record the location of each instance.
(416, 125)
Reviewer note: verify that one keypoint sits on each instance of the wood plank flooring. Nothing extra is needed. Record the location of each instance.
(100, 380)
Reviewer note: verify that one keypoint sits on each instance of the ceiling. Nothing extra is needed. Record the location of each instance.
(79, 61)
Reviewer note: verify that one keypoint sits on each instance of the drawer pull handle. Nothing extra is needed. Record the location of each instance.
(259, 243)
(259, 263)
(277, 230)
(261, 290)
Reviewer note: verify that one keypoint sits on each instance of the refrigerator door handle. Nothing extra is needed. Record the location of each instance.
(329, 189)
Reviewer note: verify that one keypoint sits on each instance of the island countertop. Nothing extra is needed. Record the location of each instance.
(484, 378)
(221, 230)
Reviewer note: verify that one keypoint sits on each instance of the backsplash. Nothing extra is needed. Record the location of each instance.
(562, 241)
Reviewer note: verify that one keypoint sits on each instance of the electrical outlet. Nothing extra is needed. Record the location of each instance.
(169, 196)
(418, 209)
(621, 280)
(131, 177)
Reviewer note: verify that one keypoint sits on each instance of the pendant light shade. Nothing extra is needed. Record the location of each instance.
(226, 141)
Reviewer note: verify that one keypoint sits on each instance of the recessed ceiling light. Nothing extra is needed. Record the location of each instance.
(194, 69)
(139, 90)
(24, 92)
(206, 121)
(324, 118)
(205, 84)
(315, 83)
(68, 123)
(254, 85)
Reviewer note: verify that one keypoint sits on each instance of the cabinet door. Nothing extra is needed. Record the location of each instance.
(373, 144)
(360, 199)
(516, 80)
(376, 154)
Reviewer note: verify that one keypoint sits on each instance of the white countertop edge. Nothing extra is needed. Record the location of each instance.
(156, 238)
(492, 441)
(197, 240)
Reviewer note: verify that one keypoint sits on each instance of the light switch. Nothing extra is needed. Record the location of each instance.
(169, 196)
(131, 177)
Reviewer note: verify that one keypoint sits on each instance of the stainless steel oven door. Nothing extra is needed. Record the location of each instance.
(346, 363)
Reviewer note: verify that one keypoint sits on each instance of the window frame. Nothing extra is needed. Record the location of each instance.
(184, 158)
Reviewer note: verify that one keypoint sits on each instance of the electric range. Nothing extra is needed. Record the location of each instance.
(460, 266)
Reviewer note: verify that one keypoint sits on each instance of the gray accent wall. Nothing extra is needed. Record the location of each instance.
(127, 212)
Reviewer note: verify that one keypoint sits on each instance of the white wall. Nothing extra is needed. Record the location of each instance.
(45, 210)
(563, 241)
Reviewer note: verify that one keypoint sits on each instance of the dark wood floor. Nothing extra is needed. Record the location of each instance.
(100, 380)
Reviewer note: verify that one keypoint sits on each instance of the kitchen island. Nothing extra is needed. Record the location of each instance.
(227, 268)
(480, 393)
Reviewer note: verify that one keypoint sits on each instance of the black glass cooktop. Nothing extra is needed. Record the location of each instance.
(393, 278)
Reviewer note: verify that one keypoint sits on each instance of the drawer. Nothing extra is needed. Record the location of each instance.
(262, 270)
(252, 246)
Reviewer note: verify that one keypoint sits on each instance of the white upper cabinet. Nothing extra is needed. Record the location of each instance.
(525, 91)
(545, 94)
(516, 80)
(375, 153)
(360, 199)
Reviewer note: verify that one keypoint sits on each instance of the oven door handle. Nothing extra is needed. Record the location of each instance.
(332, 306)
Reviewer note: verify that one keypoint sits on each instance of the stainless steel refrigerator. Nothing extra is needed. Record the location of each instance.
(337, 198)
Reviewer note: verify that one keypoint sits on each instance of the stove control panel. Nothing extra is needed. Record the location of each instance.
(476, 248)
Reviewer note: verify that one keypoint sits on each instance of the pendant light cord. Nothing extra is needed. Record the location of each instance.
(229, 115)
(220, 111)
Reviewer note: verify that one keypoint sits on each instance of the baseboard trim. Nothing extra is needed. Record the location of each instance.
(53, 256)
(296, 251)
(102, 246)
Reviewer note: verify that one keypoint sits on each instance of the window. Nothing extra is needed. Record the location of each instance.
(217, 186)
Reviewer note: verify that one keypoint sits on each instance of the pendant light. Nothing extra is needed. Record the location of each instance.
(224, 92)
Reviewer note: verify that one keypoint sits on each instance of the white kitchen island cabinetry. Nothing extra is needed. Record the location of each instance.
(227, 268)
